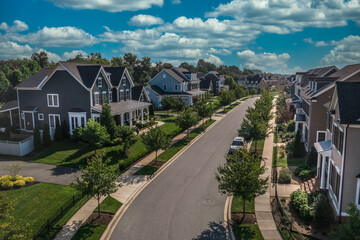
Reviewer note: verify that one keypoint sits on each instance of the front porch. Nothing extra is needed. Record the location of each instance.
(127, 112)
(323, 149)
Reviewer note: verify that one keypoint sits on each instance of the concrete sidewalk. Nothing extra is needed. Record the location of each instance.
(263, 211)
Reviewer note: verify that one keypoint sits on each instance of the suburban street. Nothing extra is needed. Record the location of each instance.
(183, 202)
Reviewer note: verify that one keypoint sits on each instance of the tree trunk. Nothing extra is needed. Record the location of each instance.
(156, 155)
(99, 205)
(243, 211)
(255, 146)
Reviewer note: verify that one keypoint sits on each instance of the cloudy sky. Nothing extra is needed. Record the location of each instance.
(272, 35)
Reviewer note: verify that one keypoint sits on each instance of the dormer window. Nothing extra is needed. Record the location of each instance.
(100, 82)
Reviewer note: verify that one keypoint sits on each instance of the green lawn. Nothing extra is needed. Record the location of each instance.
(36, 203)
(109, 205)
(147, 170)
(284, 160)
(237, 205)
(259, 146)
(170, 126)
(89, 232)
(247, 231)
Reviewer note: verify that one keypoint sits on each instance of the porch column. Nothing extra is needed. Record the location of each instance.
(122, 119)
(318, 166)
(142, 116)
(296, 127)
(322, 183)
(10, 119)
(130, 118)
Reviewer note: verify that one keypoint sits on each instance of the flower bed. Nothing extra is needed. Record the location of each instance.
(17, 181)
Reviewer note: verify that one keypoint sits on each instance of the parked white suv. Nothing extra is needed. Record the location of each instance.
(238, 143)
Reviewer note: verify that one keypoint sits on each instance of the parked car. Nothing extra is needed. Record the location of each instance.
(238, 143)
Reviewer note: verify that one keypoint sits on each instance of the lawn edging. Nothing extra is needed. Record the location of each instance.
(227, 218)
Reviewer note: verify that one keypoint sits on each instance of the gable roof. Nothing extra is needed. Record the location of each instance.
(136, 92)
(34, 80)
(88, 74)
(161, 92)
(174, 75)
(205, 83)
(116, 74)
(348, 94)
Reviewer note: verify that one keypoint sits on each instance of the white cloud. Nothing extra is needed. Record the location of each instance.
(176, 2)
(142, 20)
(347, 51)
(285, 16)
(213, 59)
(50, 36)
(222, 51)
(12, 50)
(320, 43)
(73, 54)
(264, 61)
(109, 5)
(18, 26)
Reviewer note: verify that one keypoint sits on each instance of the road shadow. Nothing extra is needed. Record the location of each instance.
(215, 231)
(61, 170)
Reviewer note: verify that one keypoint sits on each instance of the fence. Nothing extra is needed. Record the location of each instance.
(50, 228)
(14, 148)
(282, 220)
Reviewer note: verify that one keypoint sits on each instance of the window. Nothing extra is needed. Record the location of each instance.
(53, 100)
(127, 94)
(110, 96)
(96, 98)
(338, 139)
(329, 122)
(22, 115)
(164, 75)
(41, 116)
(142, 97)
(53, 118)
(124, 81)
(121, 95)
(104, 96)
(321, 136)
(165, 87)
(334, 181)
(176, 87)
(100, 82)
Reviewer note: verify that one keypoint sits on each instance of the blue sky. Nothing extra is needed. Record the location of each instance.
(272, 35)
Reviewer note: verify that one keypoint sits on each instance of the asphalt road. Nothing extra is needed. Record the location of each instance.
(183, 202)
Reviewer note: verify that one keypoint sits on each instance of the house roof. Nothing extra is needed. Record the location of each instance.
(34, 80)
(88, 74)
(161, 92)
(174, 75)
(116, 74)
(348, 94)
(204, 83)
(136, 92)
(323, 146)
(124, 106)
(9, 105)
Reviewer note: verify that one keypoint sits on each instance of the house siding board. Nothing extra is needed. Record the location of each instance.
(100, 90)
(68, 89)
(170, 82)
(352, 166)
(154, 98)
(125, 87)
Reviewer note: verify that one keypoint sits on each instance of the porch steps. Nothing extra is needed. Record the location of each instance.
(311, 185)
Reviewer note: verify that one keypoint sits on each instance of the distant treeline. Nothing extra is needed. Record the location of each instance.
(14, 71)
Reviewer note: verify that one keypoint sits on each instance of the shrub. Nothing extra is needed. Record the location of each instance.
(5, 178)
(300, 168)
(285, 176)
(321, 214)
(58, 131)
(29, 179)
(46, 136)
(300, 201)
(298, 147)
(19, 183)
(7, 184)
(17, 177)
(312, 157)
(290, 126)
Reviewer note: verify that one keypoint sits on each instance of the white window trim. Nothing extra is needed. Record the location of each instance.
(357, 202)
(55, 121)
(52, 98)
(99, 81)
(110, 96)
(127, 97)
(317, 135)
(22, 115)
(97, 93)
(40, 116)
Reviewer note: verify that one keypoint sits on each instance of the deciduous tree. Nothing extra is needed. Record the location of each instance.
(186, 119)
(156, 139)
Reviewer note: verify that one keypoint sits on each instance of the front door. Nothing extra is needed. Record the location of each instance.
(29, 121)
(76, 120)
(53, 118)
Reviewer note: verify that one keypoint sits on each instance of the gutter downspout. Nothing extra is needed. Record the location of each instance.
(342, 187)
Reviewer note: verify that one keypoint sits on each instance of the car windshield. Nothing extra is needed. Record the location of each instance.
(237, 143)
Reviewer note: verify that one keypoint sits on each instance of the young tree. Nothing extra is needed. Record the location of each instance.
(97, 178)
(186, 119)
(107, 120)
(257, 130)
(239, 176)
(178, 104)
(37, 139)
(58, 131)
(156, 139)
(127, 137)
(65, 129)
(226, 97)
(167, 103)
(351, 229)
(46, 135)
(298, 147)
(95, 134)
(203, 109)
(13, 169)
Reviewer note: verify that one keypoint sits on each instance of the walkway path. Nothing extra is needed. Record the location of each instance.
(263, 211)
(43, 172)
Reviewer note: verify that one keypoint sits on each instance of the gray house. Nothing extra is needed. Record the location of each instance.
(177, 82)
(75, 92)
(338, 155)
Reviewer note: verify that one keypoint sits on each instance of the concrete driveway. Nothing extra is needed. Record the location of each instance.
(43, 172)
(183, 202)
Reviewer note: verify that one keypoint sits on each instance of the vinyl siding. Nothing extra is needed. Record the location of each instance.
(170, 82)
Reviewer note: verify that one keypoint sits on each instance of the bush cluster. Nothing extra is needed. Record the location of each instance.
(8, 182)
(304, 172)
(285, 176)
(300, 201)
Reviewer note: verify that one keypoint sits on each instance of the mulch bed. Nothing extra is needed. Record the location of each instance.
(250, 218)
(104, 218)
(155, 163)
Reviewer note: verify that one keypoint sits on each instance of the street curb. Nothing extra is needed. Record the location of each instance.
(117, 217)
(227, 218)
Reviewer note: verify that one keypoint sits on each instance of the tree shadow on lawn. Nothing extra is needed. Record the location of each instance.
(243, 231)
(216, 231)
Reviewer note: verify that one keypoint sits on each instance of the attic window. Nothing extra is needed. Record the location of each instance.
(164, 75)
(100, 82)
